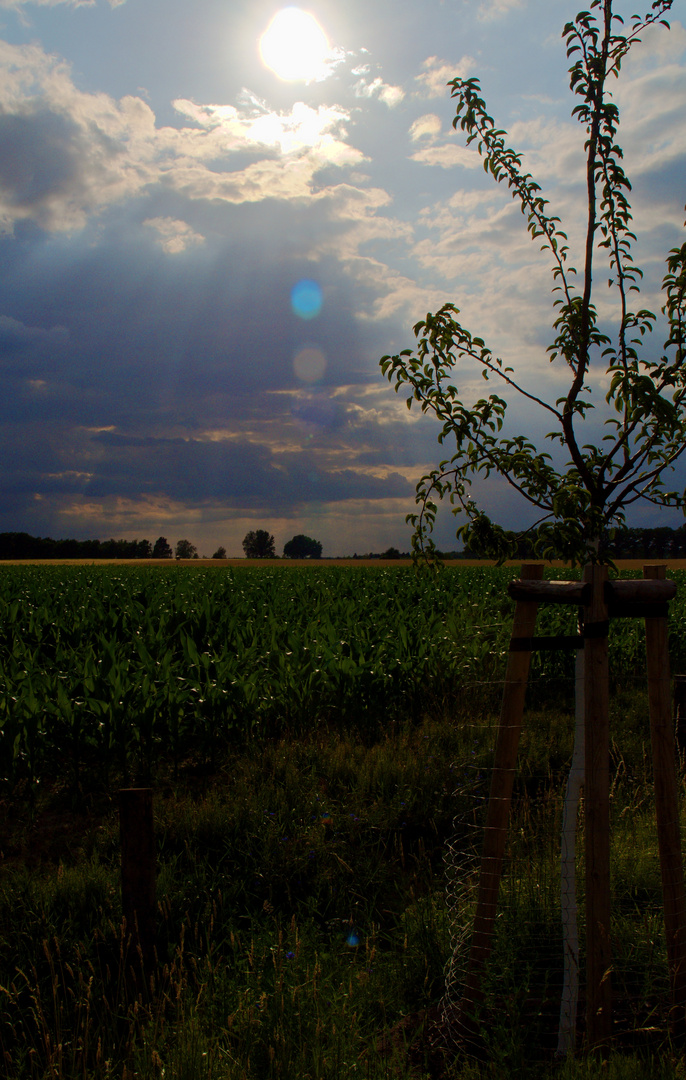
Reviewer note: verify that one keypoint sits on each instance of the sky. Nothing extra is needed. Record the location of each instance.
(211, 231)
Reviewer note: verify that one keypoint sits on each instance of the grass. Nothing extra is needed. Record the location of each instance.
(303, 928)
(315, 875)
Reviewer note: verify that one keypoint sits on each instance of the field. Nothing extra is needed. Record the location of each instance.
(318, 740)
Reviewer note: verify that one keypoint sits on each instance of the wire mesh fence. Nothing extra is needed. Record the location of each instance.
(522, 994)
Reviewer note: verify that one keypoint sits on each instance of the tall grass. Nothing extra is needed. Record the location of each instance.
(303, 929)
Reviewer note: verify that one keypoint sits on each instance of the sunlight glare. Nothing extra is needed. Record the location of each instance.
(295, 47)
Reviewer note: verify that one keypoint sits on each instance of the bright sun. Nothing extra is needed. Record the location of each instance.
(295, 47)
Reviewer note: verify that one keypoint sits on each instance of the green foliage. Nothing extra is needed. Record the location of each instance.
(259, 544)
(16, 545)
(111, 668)
(302, 547)
(186, 550)
(109, 672)
(642, 411)
(303, 928)
(162, 549)
(298, 920)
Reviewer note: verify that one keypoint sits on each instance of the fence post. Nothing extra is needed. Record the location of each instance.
(138, 872)
(597, 811)
(667, 807)
(680, 713)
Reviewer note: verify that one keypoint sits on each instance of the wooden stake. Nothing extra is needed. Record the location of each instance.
(667, 807)
(680, 715)
(502, 780)
(138, 872)
(566, 1034)
(597, 812)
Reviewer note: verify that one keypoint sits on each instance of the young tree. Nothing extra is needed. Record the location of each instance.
(302, 547)
(259, 544)
(582, 491)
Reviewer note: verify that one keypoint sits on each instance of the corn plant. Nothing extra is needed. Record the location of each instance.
(117, 668)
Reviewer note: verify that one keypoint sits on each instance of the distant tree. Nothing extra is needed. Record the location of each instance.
(162, 549)
(259, 544)
(390, 553)
(143, 549)
(19, 545)
(220, 553)
(302, 547)
(186, 550)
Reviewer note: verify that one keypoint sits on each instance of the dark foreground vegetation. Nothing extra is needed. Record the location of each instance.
(303, 928)
(313, 867)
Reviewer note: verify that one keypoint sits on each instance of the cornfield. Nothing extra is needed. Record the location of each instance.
(110, 668)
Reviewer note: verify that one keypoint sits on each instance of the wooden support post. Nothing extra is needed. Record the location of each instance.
(597, 812)
(667, 807)
(502, 780)
(138, 874)
(680, 715)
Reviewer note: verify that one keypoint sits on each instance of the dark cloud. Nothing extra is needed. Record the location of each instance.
(234, 474)
(40, 157)
(227, 476)
(148, 347)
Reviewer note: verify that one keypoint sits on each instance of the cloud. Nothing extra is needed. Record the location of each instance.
(447, 156)
(659, 46)
(477, 244)
(14, 333)
(145, 392)
(427, 126)
(189, 472)
(426, 130)
(63, 153)
(433, 82)
(66, 154)
(489, 10)
(390, 95)
(174, 236)
(256, 127)
(177, 397)
(651, 96)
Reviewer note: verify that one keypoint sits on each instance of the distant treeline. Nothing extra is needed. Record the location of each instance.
(660, 542)
(18, 545)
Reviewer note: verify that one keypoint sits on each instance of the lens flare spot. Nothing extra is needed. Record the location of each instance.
(352, 939)
(309, 364)
(306, 299)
